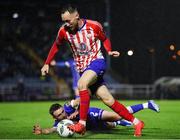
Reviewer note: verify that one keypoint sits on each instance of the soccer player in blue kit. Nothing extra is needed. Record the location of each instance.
(75, 75)
(100, 118)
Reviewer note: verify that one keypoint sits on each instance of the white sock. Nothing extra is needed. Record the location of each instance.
(135, 121)
(115, 124)
(145, 105)
(82, 122)
(130, 109)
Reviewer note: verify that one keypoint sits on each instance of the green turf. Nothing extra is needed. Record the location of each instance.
(17, 120)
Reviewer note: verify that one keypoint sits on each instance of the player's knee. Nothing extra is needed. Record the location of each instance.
(82, 85)
(109, 101)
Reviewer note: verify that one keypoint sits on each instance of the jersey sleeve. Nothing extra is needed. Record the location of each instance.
(54, 49)
(68, 109)
(55, 123)
(100, 34)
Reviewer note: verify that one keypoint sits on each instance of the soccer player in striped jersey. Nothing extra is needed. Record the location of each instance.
(100, 118)
(85, 37)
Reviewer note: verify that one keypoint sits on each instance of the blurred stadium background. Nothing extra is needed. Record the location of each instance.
(145, 32)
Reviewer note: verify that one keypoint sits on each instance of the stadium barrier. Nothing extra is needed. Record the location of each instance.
(127, 91)
(163, 88)
(33, 91)
(48, 91)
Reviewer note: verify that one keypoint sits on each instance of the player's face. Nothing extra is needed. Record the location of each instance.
(59, 114)
(71, 20)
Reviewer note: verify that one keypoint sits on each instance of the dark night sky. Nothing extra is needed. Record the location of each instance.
(141, 25)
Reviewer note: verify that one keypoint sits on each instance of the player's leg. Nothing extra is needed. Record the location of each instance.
(90, 76)
(87, 79)
(110, 116)
(148, 105)
(104, 94)
(75, 78)
(136, 108)
(110, 125)
(114, 118)
(76, 92)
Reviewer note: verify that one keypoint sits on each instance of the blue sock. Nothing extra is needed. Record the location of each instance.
(123, 123)
(135, 108)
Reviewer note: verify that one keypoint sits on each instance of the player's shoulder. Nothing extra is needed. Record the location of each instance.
(62, 29)
(93, 23)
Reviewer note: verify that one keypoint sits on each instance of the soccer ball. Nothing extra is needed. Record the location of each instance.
(62, 128)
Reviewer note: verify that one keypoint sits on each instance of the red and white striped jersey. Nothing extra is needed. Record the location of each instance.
(85, 44)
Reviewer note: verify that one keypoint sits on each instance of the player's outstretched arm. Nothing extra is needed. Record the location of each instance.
(73, 115)
(37, 130)
(75, 102)
(54, 49)
(106, 42)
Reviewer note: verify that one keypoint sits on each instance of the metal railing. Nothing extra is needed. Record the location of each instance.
(33, 91)
(132, 91)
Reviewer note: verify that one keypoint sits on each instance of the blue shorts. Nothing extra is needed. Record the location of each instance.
(99, 67)
(94, 119)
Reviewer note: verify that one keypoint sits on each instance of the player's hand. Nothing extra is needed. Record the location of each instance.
(73, 115)
(45, 70)
(53, 63)
(37, 129)
(114, 53)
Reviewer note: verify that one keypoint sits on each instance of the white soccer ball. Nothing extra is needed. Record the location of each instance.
(62, 128)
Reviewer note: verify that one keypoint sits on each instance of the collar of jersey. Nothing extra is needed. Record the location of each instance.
(83, 25)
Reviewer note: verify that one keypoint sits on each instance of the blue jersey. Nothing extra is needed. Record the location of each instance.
(94, 117)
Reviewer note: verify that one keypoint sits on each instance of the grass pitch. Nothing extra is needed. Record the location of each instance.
(17, 120)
